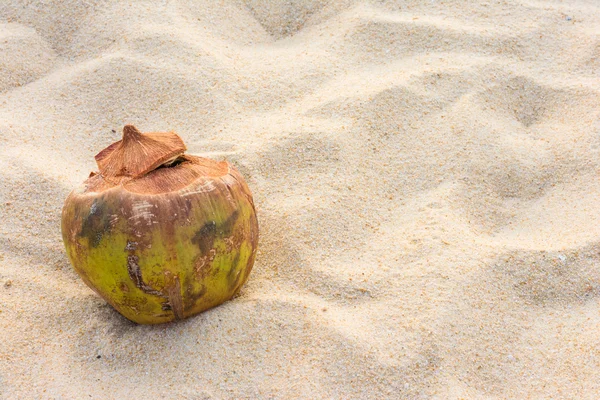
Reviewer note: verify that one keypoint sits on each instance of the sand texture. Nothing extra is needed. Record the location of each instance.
(426, 176)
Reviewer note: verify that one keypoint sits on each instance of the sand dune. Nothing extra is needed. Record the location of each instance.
(425, 173)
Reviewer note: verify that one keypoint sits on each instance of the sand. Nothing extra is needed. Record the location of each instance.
(426, 175)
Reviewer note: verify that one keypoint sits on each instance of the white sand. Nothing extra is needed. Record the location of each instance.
(426, 175)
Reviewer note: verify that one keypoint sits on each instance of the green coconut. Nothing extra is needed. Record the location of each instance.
(160, 235)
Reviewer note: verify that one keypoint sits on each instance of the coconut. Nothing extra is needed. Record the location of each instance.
(159, 234)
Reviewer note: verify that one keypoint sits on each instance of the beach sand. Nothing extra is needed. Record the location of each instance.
(426, 176)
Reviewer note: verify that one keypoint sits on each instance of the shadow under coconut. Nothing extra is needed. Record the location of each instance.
(117, 339)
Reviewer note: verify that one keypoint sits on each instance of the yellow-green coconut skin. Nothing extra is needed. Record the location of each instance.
(160, 257)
